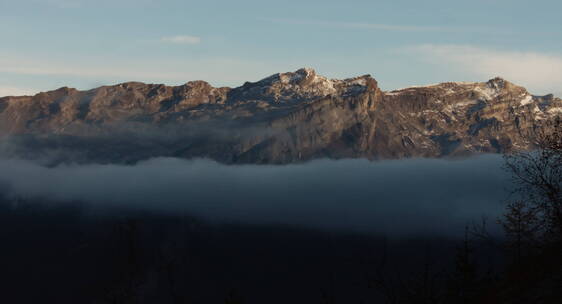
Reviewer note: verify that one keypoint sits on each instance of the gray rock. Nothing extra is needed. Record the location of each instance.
(284, 118)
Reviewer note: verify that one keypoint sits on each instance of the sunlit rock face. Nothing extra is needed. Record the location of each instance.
(284, 118)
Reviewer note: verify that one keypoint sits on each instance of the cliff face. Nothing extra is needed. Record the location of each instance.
(283, 118)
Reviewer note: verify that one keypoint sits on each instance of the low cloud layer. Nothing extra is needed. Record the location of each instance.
(540, 73)
(405, 197)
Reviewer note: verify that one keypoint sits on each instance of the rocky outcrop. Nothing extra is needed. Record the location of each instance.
(283, 118)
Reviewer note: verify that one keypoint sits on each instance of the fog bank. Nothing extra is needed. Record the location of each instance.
(399, 197)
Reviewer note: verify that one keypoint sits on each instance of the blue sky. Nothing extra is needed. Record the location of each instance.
(46, 44)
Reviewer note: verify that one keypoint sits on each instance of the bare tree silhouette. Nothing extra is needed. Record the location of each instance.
(537, 176)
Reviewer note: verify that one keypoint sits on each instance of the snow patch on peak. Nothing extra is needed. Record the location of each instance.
(488, 92)
(464, 83)
(447, 85)
(358, 81)
(287, 78)
(527, 100)
(302, 84)
(404, 90)
(299, 76)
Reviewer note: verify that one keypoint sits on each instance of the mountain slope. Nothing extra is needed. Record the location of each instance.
(283, 118)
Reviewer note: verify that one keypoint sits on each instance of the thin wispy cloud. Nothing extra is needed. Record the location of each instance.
(539, 72)
(16, 91)
(182, 39)
(384, 27)
(45, 68)
(219, 71)
(72, 4)
(64, 3)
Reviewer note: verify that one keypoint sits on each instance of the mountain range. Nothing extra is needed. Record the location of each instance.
(284, 118)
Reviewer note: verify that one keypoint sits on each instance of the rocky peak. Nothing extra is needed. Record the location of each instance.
(293, 116)
(301, 85)
(300, 77)
(132, 85)
(66, 90)
(497, 83)
(502, 86)
(493, 90)
(498, 89)
(198, 85)
(356, 85)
